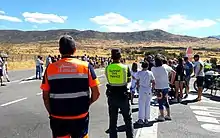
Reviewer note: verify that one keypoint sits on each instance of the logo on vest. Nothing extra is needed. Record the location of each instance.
(115, 73)
(67, 67)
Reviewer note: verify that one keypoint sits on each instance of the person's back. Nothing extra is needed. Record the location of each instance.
(161, 77)
(66, 92)
(145, 78)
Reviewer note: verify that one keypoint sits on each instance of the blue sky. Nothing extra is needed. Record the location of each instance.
(187, 17)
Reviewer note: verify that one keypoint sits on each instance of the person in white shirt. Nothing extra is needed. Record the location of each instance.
(48, 61)
(134, 70)
(5, 69)
(162, 88)
(1, 71)
(39, 64)
(199, 73)
(145, 82)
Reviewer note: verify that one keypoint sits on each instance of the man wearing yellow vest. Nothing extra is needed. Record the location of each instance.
(118, 75)
(66, 92)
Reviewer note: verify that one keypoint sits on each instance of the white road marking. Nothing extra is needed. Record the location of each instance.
(207, 119)
(103, 75)
(12, 102)
(207, 113)
(194, 107)
(149, 132)
(40, 93)
(211, 127)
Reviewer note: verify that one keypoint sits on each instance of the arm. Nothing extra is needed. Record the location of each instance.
(95, 94)
(153, 84)
(93, 84)
(152, 80)
(129, 75)
(46, 92)
(173, 75)
(46, 101)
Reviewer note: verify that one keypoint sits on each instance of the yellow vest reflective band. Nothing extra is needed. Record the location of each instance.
(208, 66)
(116, 74)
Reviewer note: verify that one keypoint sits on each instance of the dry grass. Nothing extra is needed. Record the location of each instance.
(21, 65)
(23, 54)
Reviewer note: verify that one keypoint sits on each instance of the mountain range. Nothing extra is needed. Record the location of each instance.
(17, 36)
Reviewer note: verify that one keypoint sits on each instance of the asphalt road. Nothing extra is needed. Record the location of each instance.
(22, 114)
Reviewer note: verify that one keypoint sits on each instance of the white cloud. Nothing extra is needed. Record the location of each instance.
(173, 23)
(5, 17)
(180, 22)
(2, 12)
(110, 19)
(42, 18)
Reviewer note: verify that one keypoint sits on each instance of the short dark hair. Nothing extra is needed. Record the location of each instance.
(158, 61)
(134, 67)
(196, 56)
(186, 58)
(67, 45)
(145, 65)
(164, 61)
(180, 60)
(115, 54)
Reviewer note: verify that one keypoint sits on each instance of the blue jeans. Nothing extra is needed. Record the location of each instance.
(162, 95)
(38, 72)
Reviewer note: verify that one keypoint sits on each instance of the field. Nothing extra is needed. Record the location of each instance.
(22, 56)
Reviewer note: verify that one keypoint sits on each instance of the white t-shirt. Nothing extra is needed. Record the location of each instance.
(39, 62)
(145, 78)
(197, 68)
(5, 63)
(161, 77)
(133, 81)
(168, 68)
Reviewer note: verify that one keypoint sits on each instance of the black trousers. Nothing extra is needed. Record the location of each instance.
(74, 128)
(114, 105)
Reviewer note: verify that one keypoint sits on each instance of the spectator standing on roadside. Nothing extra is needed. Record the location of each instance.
(145, 82)
(1, 72)
(162, 88)
(179, 80)
(66, 92)
(5, 69)
(134, 71)
(188, 67)
(199, 73)
(39, 64)
(48, 60)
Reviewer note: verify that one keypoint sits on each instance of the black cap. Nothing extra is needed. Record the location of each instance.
(67, 44)
(116, 53)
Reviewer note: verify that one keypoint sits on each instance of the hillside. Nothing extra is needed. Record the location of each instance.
(16, 36)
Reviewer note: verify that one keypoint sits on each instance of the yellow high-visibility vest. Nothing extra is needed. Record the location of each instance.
(116, 74)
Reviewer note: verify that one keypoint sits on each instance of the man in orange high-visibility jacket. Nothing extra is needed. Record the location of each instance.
(66, 92)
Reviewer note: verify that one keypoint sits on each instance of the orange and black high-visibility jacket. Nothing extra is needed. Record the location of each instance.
(68, 81)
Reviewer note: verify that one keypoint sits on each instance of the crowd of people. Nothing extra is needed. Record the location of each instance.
(166, 78)
(95, 61)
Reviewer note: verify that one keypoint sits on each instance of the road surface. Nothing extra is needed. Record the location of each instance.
(23, 114)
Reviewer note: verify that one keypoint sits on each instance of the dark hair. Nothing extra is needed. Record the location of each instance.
(134, 67)
(145, 65)
(196, 56)
(164, 61)
(67, 45)
(186, 58)
(180, 60)
(158, 61)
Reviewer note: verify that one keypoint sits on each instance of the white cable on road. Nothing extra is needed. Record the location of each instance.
(12, 102)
